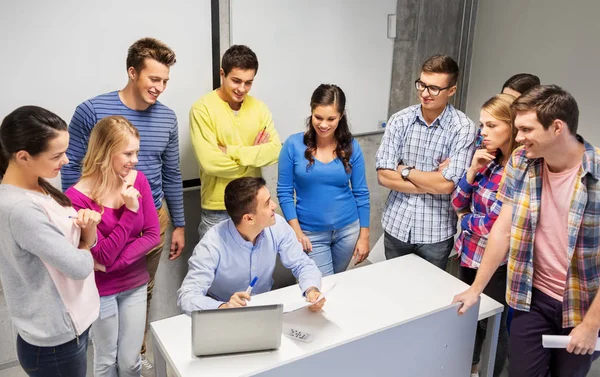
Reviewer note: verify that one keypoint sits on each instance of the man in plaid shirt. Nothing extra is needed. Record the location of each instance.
(549, 225)
(424, 152)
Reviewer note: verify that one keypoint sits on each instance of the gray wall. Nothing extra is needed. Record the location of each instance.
(555, 39)
(425, 28)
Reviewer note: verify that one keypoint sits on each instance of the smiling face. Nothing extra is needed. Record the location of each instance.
(125, 159)
(264, 214)
(439, 81)
(47, 164)
(536, 140)
(236, 85)
(496, 134)
(325, 120)
(149, 83)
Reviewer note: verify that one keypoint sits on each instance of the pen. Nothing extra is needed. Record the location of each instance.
(128, 185)
(252, 284)
(262, 132)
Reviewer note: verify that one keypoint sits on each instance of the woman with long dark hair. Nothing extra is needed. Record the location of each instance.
(45, 263)
(325, 169)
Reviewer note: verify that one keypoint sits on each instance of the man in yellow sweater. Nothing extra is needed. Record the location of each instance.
(232, 133)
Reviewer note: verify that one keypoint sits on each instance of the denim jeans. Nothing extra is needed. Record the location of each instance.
(68, 359)
(333, 249)
(210, 218)
(118, 333)
(435, 253)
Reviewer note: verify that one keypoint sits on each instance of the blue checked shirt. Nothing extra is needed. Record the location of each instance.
(424, 218)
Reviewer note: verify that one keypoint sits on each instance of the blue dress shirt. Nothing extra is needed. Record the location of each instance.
(224, 263)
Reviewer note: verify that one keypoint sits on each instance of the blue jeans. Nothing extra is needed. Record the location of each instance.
(210, 218)
(118, 333)
(68, 359)
(333, 249)
(435, 253)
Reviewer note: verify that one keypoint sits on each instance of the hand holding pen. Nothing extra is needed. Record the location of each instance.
(262, 137)
(86, 218)
(239, 299)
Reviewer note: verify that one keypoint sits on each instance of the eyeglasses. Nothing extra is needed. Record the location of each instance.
(432, 89)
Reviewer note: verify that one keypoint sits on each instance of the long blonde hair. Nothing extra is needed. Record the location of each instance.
(108, 136)
(499, 107)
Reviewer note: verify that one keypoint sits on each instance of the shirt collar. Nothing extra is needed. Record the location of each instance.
(442, 119)
(590, 161)
(237, 237)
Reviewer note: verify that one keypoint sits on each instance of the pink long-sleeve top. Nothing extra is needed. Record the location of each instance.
(124, 238)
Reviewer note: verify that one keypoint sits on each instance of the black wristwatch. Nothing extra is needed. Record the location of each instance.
(405, 172)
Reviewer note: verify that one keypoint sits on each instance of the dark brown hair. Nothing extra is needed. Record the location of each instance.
(442, 64)
(239, 56)
(326, 95)
(30, 129)
(149, 48)
(521, 82)
(240, 197)
(550, 102)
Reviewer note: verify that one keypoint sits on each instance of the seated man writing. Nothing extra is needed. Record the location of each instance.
(235, 251)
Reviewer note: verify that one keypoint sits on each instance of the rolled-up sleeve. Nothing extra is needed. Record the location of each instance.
(390, 151)
(461, 151)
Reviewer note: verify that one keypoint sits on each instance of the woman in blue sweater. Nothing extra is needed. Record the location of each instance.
(325, 168)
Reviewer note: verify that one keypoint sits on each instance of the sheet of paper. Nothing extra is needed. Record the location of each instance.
(560, 341)
(294, 303)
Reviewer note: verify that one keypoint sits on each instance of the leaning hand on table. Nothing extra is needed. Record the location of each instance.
(583, 339)
(468, 299)
(237, 300)
(312, 295)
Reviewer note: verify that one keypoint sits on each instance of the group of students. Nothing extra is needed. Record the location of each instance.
(111, 220)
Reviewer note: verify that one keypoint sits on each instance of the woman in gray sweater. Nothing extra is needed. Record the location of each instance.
(45, 264)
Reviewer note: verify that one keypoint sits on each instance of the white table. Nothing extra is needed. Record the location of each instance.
(365, 301)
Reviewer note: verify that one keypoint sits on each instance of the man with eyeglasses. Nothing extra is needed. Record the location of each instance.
(425, 150)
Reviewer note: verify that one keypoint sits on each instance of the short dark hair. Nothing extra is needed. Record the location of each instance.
(442, 64)
(240, 196)
(239, 56)
(521, 82)
(550, 102)
(150, 48)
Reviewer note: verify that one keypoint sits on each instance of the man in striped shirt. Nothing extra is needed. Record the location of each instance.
(148, 67)
(549, 227)
(424, 152)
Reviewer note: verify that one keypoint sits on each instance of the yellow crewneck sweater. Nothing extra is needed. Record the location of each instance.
(214, 123)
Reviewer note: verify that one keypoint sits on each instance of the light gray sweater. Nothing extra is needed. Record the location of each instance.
(48, 282)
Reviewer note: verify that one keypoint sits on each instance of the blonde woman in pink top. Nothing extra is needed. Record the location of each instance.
(45, 264)
(129, 229)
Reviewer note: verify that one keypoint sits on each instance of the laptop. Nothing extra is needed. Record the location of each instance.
(224, 331)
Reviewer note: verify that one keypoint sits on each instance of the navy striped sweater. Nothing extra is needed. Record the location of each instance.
(159, 147)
